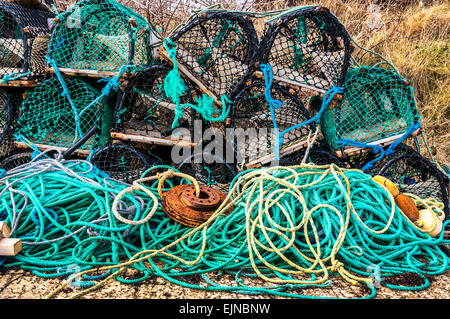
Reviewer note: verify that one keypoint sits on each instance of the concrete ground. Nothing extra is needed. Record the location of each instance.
(20, 284)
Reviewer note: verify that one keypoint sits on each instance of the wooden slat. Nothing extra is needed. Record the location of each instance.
(283, 152)
(260, 75)
(4, 230)
(43, 147)
(382, 142)
(86, 73)
(10, 246)
(151, 139)
(19, 83)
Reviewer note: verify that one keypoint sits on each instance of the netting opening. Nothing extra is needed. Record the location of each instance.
(121, 162)
(413, 173)
(56, 122)
(376, 103)
(24, 37)
(217, 48)
(253, 122)
(143, 107)
(16, 160)
(6, 116)
(101, 35)
(209, 169)
(308, 46)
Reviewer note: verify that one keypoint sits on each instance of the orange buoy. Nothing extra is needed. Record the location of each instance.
(407, 206)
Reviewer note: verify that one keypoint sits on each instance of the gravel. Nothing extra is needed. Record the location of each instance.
(22, 284)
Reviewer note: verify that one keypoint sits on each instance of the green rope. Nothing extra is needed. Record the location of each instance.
(62, 213)
(175, 87)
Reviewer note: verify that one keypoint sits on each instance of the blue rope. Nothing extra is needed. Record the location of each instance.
(378, 149)
(273, 104)
(65, 93)
(276, 104)
(412, 129)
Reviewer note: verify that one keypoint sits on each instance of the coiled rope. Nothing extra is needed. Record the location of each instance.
(294, 227)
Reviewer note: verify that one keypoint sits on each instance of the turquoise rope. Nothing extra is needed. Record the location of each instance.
(71, 204)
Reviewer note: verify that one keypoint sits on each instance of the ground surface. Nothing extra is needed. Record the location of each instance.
(16, 283)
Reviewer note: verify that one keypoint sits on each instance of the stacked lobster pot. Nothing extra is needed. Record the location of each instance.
(301, 88)
(24, 38)
(297, 92)
(92, 49)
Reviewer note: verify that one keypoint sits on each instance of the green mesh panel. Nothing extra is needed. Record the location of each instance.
(47, 116)
(98, 35)
(376, 104)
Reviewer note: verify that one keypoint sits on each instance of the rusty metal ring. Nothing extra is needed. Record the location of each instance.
(181, 204)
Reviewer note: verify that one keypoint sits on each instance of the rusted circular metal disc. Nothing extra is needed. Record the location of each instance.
(182, 205)
(209, 198)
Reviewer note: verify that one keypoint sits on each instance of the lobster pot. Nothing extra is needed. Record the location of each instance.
(308, 46)
(24, 38)
(253, 123)
(376, 104)
(415, 174)
(48, 117)
(209, 169)
(143, 109)
(216, 48)
(122, 162)
(100, 35)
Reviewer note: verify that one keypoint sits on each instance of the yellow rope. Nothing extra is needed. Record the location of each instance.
(247, 185)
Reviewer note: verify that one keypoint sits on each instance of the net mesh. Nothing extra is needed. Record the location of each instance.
(6, 117)
(413, 173)
(24, 37)
(143, 108)
(16, 160)
(10, 101)
(217, 47)
(376, 103)
(317, 155)
(121, 162)
(209, 169)
(253, 121)
(308, 46)
(56, 122)
(101, 35)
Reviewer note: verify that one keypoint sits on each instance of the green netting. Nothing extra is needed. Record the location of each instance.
(376, 103)
(101, 35)
(49, 117)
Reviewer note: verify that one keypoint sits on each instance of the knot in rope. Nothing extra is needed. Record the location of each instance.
(268, 79)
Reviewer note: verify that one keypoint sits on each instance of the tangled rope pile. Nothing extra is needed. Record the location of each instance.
(294, 227)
